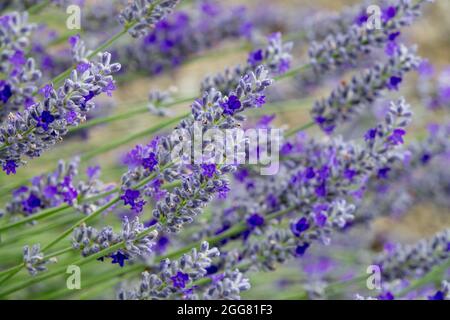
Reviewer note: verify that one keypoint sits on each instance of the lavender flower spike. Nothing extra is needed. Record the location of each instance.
(140, 16)
(45, 123)
(343, 48)
(228, 287)
(275, 57)
(349, 98)
(173, 278)
(415, 260)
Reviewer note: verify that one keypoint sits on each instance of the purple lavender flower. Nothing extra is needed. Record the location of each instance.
(139, 16)
(62, 185)
(397, 136)
(301, 249)
(90, 241)
(119, 258)
(416, 259)
(172, 278)
(5, 91)
(209, 170)
(231, 106)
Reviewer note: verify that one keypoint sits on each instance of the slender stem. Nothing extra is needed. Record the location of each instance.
(38, 216)
(236, 230)
(303, 127)
(111, 146)
(14, 268)
(436, 274)
(11, 273)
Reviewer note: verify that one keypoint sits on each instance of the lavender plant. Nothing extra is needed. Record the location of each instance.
(171, 218)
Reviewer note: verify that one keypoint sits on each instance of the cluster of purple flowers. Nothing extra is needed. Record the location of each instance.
(349, 98)
(139, 16)
(176, 278)
(319, 180)
(405, 261)
(276, 57)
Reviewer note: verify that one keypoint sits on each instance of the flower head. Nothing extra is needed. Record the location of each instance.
(300, 250)
(394, 81)
(300, 226)
(255, 57)
(370, 134)
(232, 105)
(397, 136)
(131, 197)
(46, 90)
(31, 203)
(150, 162)
(386, 296)
(208, 170)
(180, 279)
(119, 258)
(255, 220)
(5, 91)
